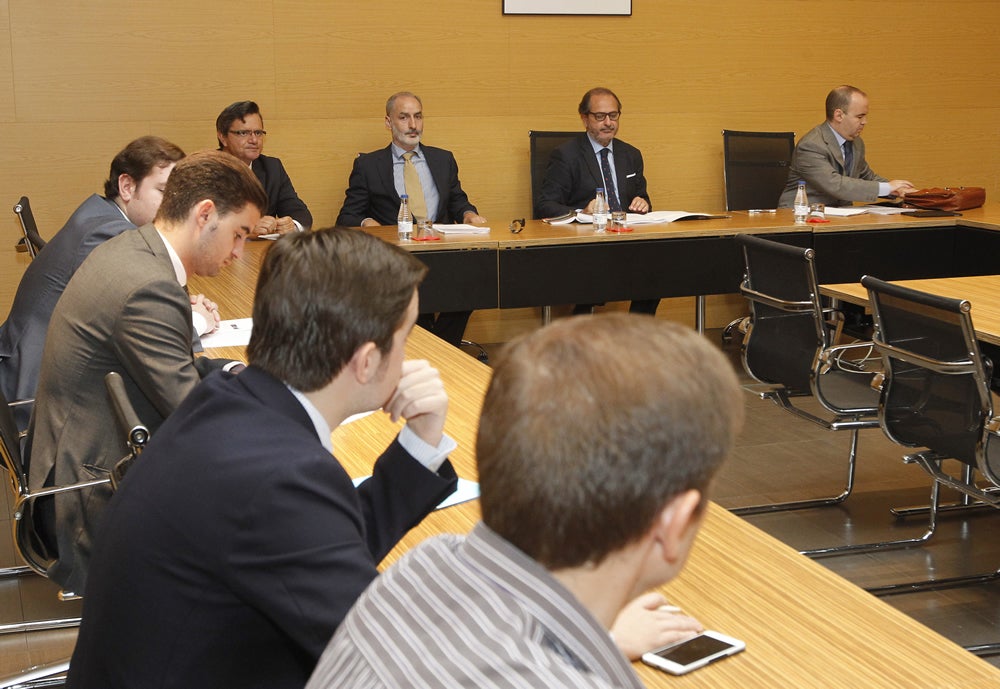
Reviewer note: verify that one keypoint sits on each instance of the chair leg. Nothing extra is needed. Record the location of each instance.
(966, 502)
(47, 675)
(19, 571)
(817, 502)
(984, 650)
(886, 545)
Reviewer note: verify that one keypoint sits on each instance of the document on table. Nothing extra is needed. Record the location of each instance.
(651, 218)
(886, 210)
(460, 228)
(466, 490)
(844, 212)
(234, 333)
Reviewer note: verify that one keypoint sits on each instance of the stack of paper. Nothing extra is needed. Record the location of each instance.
(461, 228)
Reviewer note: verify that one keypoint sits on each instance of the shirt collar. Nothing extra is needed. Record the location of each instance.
(320, 424)
(597, 147)
(840, 139)
(398, 152)
(175, 261)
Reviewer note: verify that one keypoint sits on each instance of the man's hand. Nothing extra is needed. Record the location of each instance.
(266, 225)
(209, 311)
(471, 218)
(643, 626)
(369, 222)
(420, 398)
(898, 187)
(284, 225)
(639, 205)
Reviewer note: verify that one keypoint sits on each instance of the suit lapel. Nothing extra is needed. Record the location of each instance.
(838, 153)
(591, 161)
(384, 167)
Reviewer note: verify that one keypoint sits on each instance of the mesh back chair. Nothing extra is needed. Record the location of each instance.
(29, 541)
(790, 347)
(33, 242)
(936, 395)
(756, 167)
(541, 145)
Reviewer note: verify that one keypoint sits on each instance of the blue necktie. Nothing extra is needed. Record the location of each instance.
(609, 182)
(848, 158)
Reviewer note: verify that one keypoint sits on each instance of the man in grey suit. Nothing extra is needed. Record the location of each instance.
(831, 157)
(127, 310)
(132, 195)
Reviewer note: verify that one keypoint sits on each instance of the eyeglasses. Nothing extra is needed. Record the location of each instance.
(601, 116)
(244, 133)
(516, 225)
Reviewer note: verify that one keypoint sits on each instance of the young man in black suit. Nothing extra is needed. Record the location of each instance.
(238, 542)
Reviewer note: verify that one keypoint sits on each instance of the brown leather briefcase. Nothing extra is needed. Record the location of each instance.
(947, 199)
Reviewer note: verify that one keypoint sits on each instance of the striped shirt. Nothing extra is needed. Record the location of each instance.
(470, 612)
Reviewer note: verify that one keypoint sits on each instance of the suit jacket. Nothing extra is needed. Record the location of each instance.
(122, 311)
(573, 174)
(281, 197)
(237, 544)
(819, 160)
(22, 336)
(371, 192)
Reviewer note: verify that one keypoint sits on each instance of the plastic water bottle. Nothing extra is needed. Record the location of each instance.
(404, 219)
(600, 211)
(801, 205)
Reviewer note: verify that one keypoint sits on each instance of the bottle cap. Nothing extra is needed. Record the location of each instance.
(600, 189)
(403, 196)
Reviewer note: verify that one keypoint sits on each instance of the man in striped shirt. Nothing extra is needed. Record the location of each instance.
(593, 473)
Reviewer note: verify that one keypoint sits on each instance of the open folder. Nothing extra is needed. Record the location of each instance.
(651, 218)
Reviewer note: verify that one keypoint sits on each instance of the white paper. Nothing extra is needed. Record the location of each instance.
(885, 210)
(460, 228)
(466, 490)
(844, 212)
(234, 333)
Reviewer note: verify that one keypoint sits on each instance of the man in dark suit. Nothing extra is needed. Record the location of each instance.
(238, 540)
(596, 159)
(132, 195)
(831, 157)
(240, 129)
(126, 310)
(428, 175)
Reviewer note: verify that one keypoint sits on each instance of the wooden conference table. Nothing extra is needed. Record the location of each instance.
(804, 626)
(982, 291)
(567, 264)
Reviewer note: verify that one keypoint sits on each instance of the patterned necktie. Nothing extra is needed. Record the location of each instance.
(411, 181)
(848, 158)
(609, 181)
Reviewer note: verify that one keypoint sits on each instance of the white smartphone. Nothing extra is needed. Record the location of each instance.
(698, 651)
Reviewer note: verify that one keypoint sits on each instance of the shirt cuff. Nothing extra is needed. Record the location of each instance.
(298, 226)
(234, 366)
(425, 453)
(884, 189)
(199, 322)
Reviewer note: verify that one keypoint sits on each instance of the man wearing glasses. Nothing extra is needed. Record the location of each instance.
(596, 159)
(240, 129)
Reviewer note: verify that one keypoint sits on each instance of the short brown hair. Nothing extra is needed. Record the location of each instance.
(840, 99)
(214, 175)
(582, 443)
(138, 159)
(321, 295)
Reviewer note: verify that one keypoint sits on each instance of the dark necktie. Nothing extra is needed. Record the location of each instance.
(609, 182)
(848, 157)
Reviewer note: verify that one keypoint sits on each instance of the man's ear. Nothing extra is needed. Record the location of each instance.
(365, 363)
(677, 524)
(126, 187)
(203, 211)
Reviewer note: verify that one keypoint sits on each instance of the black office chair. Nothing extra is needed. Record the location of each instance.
(32, 242)
(936, 395)
(789, 346)
(541, 144)
(755, 167)
(29, 541)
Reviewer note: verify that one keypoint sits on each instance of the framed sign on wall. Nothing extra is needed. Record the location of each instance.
(616, 7)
